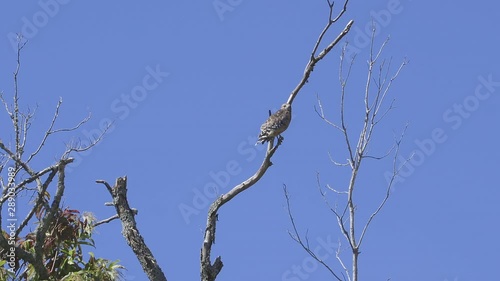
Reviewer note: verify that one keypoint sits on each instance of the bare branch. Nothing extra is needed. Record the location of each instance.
(39, 202)
(77, 126)
(340, 217)
(383, 156)
(386, 90)
(382, 47)
(315, 58)
(295, 235)
(343, 84)
(389, 185)
(337, 163)
(26, 124)
(108, 220)
(337, 255)
(321, 115)
(15, 116)
(6, 105)
(327, 27)
(210, 271)
(47, 132)
(35, 177)
(51, 130)
(131, 232)
(336, 191)
(93, 142)
(112, 218)
(108, 187)
(17, 160)
(389, 108)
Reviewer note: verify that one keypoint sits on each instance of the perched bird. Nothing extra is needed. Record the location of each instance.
(276, 124)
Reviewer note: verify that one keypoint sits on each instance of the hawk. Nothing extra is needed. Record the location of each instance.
(276, 124)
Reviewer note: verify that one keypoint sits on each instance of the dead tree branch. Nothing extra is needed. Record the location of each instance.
(395, 173)
(210, 271)
(295, 235)
(76, 146)
(130, 231)
(39, 202)
(112, 218)
(317, 57)
(51, 130)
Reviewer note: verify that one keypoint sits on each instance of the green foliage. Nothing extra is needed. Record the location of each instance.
(96, 269)
(5, 274)
(62, 251)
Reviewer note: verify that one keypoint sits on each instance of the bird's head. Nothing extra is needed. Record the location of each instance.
(286, 106)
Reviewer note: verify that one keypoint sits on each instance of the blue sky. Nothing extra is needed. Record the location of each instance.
(188, 88)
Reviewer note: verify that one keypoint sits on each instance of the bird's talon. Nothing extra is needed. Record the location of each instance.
(280, 139)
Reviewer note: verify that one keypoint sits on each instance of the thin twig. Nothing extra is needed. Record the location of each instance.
(389, 185)
(93, 142)
(297, 237)
(321, 114)
(337, 255)
(315, 58)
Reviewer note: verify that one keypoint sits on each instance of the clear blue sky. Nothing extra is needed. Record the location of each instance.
(188, 87)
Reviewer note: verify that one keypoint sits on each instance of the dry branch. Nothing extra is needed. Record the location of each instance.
(112, 218)
(295, 235)
(315, 58)
(210, 271)
(130, 231)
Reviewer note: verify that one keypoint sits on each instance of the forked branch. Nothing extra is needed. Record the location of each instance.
(317, 57)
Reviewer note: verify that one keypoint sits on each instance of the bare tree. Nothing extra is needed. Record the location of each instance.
(209, 270)
(376, 107)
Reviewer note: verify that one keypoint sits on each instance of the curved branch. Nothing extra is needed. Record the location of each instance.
(210, 271)
(92, 142)
(112, 218)
(51, 130)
